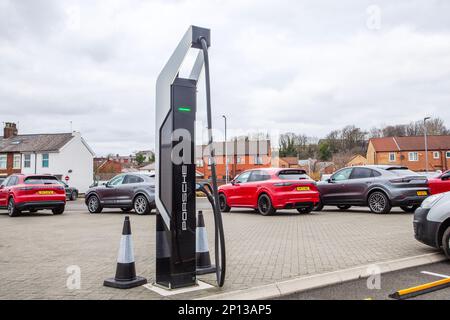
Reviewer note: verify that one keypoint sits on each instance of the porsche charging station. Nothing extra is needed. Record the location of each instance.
(175, 191)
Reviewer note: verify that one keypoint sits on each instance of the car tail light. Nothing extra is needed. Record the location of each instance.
(282, 184)
(25, 188)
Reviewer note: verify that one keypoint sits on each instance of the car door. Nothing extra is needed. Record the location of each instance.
(125, 191)
(360, 180)
(249, 189)
(4, 193)
(109, 191)
(235, 195)
(334, 191)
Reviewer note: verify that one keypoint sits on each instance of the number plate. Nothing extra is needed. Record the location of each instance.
(45, 192)
(302, 188)
(422, 193)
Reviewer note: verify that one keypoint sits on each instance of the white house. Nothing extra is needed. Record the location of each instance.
(65, 155)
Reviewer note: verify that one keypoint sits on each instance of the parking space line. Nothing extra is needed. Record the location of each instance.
(435, 274)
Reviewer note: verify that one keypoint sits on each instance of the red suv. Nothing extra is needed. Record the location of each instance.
(32, 193)
(440, 184)
(269, 189)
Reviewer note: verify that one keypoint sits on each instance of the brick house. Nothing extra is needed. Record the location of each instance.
(410, 152)
(242, 155)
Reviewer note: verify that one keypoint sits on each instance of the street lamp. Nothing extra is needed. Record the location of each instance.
(226, 150)
(426, 142)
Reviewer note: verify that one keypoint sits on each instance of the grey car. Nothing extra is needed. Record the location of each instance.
(125, 191)
(380, 187)
(432, 222)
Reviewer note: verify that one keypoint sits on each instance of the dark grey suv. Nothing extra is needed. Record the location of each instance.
(380, 187)
(125, 191)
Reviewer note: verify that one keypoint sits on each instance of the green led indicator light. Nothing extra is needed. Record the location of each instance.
(184, 109)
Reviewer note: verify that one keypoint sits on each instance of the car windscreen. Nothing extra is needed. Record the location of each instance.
(293, 175)
(40, 180)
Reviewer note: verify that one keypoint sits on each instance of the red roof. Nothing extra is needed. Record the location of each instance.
(413, 143)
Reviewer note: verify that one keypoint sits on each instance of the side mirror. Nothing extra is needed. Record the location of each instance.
(233, 182)
(329, 180)
(1, 187)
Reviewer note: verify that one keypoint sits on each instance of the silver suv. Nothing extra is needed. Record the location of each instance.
(380, 187)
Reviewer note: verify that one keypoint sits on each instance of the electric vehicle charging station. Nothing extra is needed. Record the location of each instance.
(175, 186)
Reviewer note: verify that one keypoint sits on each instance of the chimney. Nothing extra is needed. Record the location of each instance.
(10, 130)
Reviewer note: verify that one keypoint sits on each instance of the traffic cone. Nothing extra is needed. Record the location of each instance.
(126, 271)
(202, 252)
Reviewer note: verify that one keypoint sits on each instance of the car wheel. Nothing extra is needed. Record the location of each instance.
(409, 209)
(12, 210)
(74, 195)
(265, 205)
(224, 207)
(126, 209)
(59, 210)
(446, 242)
(304, 210)
(94, 205)
(141, 205)
(344, 207)
(379, 203)
(318, 207)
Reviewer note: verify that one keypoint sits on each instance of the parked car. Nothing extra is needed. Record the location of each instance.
(432, 222)
(269, 189)
(71, 192)
(125, 191)
(380, 187)
(32, 193)
(440, 183)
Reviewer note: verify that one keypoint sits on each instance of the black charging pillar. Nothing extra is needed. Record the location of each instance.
(175, 167)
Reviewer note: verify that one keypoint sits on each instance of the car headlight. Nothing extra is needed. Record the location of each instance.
(431, 201)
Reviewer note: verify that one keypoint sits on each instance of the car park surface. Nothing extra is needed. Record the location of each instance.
(260, 250)
(389, 283)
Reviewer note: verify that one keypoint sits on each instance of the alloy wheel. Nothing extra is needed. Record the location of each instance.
(377, 202)
(140, 205)
(93, 204)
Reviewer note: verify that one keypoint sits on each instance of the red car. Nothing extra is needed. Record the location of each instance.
(269, 189)
(440, 184)
(32, 193)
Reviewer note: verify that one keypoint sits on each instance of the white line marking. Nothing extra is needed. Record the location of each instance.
(435, 274)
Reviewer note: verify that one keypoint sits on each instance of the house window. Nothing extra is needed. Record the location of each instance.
(258, 160)
(27, 161)
(3, 159)
(199, 162)
(45, 160)
(436, 155)
(17, 161)
(392, 156)
(238, 160)
(413, 156)
(447, 154)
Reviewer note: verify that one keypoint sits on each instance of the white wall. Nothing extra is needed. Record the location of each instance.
(73, 156)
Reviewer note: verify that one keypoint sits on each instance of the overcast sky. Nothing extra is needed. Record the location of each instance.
(302, 66)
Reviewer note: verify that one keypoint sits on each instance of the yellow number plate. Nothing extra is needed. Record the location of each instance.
(45, 192)
(302, 188)
(422, 193)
